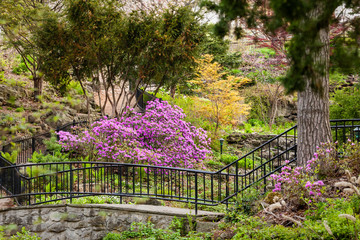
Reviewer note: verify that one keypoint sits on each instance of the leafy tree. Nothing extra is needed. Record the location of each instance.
(19, 20)
(118, 49)
(219, 99)
(219, 49)
(308, 50)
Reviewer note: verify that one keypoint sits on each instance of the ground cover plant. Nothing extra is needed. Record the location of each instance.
(147, 231)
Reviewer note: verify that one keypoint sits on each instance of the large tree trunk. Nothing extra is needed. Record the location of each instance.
(313, 107)
(37, 86)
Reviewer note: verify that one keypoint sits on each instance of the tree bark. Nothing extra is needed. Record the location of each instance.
(37, 87)
(313, 107)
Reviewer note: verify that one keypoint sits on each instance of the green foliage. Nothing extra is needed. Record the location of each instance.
(258, 126)
(245, 205)
(337, 78)
(21, 67)
(345, 104)
(25, 235)
(11, 82)
(12, 156)
(267, 52)
(13, 123)
(2, 76)
(19, 109)
(147, 231)
(248, 227)
(228, 158)
(38, 157)
(75, 87)
(342, 228)
(97, 200)
(219, 48)
(140, 48)
(52, 144)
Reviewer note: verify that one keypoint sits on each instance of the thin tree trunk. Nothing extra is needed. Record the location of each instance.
(37, 87)
(173, 90)
(313, 107)
(87, 99)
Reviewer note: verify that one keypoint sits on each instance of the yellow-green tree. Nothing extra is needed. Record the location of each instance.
(218, 96)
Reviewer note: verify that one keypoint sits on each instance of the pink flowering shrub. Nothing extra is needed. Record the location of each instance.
(160, 137)
(351, 153)
(298, 184)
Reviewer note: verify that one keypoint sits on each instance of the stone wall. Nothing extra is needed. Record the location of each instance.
(70, 221)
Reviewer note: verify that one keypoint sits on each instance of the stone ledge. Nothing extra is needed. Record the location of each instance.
(159, 210)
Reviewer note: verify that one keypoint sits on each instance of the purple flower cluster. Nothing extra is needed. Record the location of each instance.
(160, 137)
(299, 178)
(314, 188)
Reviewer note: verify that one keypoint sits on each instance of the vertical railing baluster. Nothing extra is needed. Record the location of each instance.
(120, 183)
(236, 177)
(71, 182)
(204, 187)
(196, 194)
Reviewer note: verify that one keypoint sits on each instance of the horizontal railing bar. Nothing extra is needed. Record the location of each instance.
(261, 146)
(344, 120)
(107, 164)
(344, 126)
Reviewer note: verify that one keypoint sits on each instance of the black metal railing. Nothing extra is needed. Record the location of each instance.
(344, 129)
(28, 145)
(142, 97)
(46, 182)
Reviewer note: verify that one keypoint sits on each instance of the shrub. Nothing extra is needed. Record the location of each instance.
(75, 87)
(244, 205)
(20, 68)
(19, 109)
(147, 231)
(345, 104)
(159, 137)
(55, 157)
(25, 235)
(52, 144)
(12, 156)
(298, 185)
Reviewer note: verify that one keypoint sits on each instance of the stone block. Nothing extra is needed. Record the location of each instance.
(57, 227)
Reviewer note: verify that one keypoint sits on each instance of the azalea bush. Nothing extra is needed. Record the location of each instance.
(298, 184)
(160, 137)
(301, 185)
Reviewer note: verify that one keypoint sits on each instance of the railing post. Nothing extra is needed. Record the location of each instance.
(237, 177)
(33, 144)
(196, 194)
(57, 131)
(120, 183)
(264, 178)
(71, 182)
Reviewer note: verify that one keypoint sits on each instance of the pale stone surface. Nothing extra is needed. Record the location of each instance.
(70, 221)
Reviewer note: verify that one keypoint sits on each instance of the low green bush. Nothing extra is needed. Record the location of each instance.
(19, 109)
(39, 157)
(345, 104)
(23, 235)
(20, 68)
(52, 144)
(330, 219)
(147, 231)
(75, 87)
